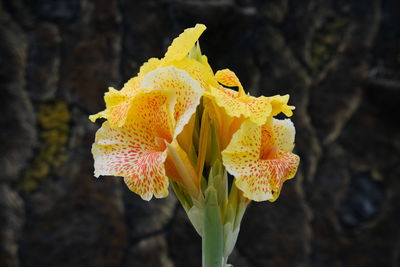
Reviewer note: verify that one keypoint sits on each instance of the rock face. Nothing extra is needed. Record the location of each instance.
(339, 60)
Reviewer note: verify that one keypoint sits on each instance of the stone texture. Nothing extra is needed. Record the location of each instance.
(17, 120)
(339, 61)
(147, 218)
(151, 251)
(12, 218)
(44, 62)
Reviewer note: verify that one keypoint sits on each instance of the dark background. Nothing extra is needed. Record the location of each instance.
(339, 61)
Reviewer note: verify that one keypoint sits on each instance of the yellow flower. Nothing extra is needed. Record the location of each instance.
(260, 158)
(231, 107)
(159, 129)
(137, 150)
(118, 103)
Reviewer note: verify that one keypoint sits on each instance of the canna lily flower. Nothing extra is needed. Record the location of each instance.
(232, 107)
(261, 158)
(159, 129)
(157, 113)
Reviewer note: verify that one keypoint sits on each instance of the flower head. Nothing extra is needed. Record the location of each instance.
(178, 123)
(156, 131)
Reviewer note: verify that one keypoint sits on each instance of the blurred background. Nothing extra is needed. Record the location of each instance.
(339, 61)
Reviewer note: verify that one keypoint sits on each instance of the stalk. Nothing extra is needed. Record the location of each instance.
(212, 239)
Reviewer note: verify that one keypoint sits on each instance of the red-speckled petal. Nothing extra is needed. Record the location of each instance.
(255, 158)
(283, 167)
(240, 156)
(137, 150)
(118, 103)
(257, 109)
(186, 89)
(266, 179)
(284, 132)
(201, 72)
(182, 44)
(227, 78)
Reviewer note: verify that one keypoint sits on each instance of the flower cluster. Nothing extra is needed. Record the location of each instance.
(177, 122)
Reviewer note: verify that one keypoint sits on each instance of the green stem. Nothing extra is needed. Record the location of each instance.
(212, 239)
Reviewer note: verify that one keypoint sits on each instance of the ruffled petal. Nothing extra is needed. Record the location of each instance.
(137, 150)
(260, 159)
(186, 89)
(253, 187)
(283, 167)
(201, 72)
(257, 109)
(284, 132)
(267, 177)
(117, 107)
(228, 78)
(118, 103)
(238, 103)
(181, 45)
(280, 104)
(243, 150)
(148, 66)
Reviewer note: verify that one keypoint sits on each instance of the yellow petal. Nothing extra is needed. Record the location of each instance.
(253, 187)
(181, 45)
(260, 158)
(118, 103)
(117, 107)
(279, 104)
(228, 78)
(284, 167)
(186, 89)
(257, 109)
(148, 66)
(284, 132)
(202, 72)
(237, 104)
(137, 150)
(243, 151)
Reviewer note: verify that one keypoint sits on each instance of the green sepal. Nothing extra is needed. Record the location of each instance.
(213, 148)
(219, 180)
(195, 53)
(196, 217)
(184, 199)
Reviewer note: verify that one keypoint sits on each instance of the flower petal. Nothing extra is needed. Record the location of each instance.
(267, 177)
(260, 158)
(118, 103)
(283, 167)
(148, 66)
(228, 78)
(181, 45)
(257, 109)
(243, 151)
(187, 90)
(254, 188)
(201, 72)
(238, 104)
(279, 104)
(284, 132)
(136, 150)
(117, 107)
